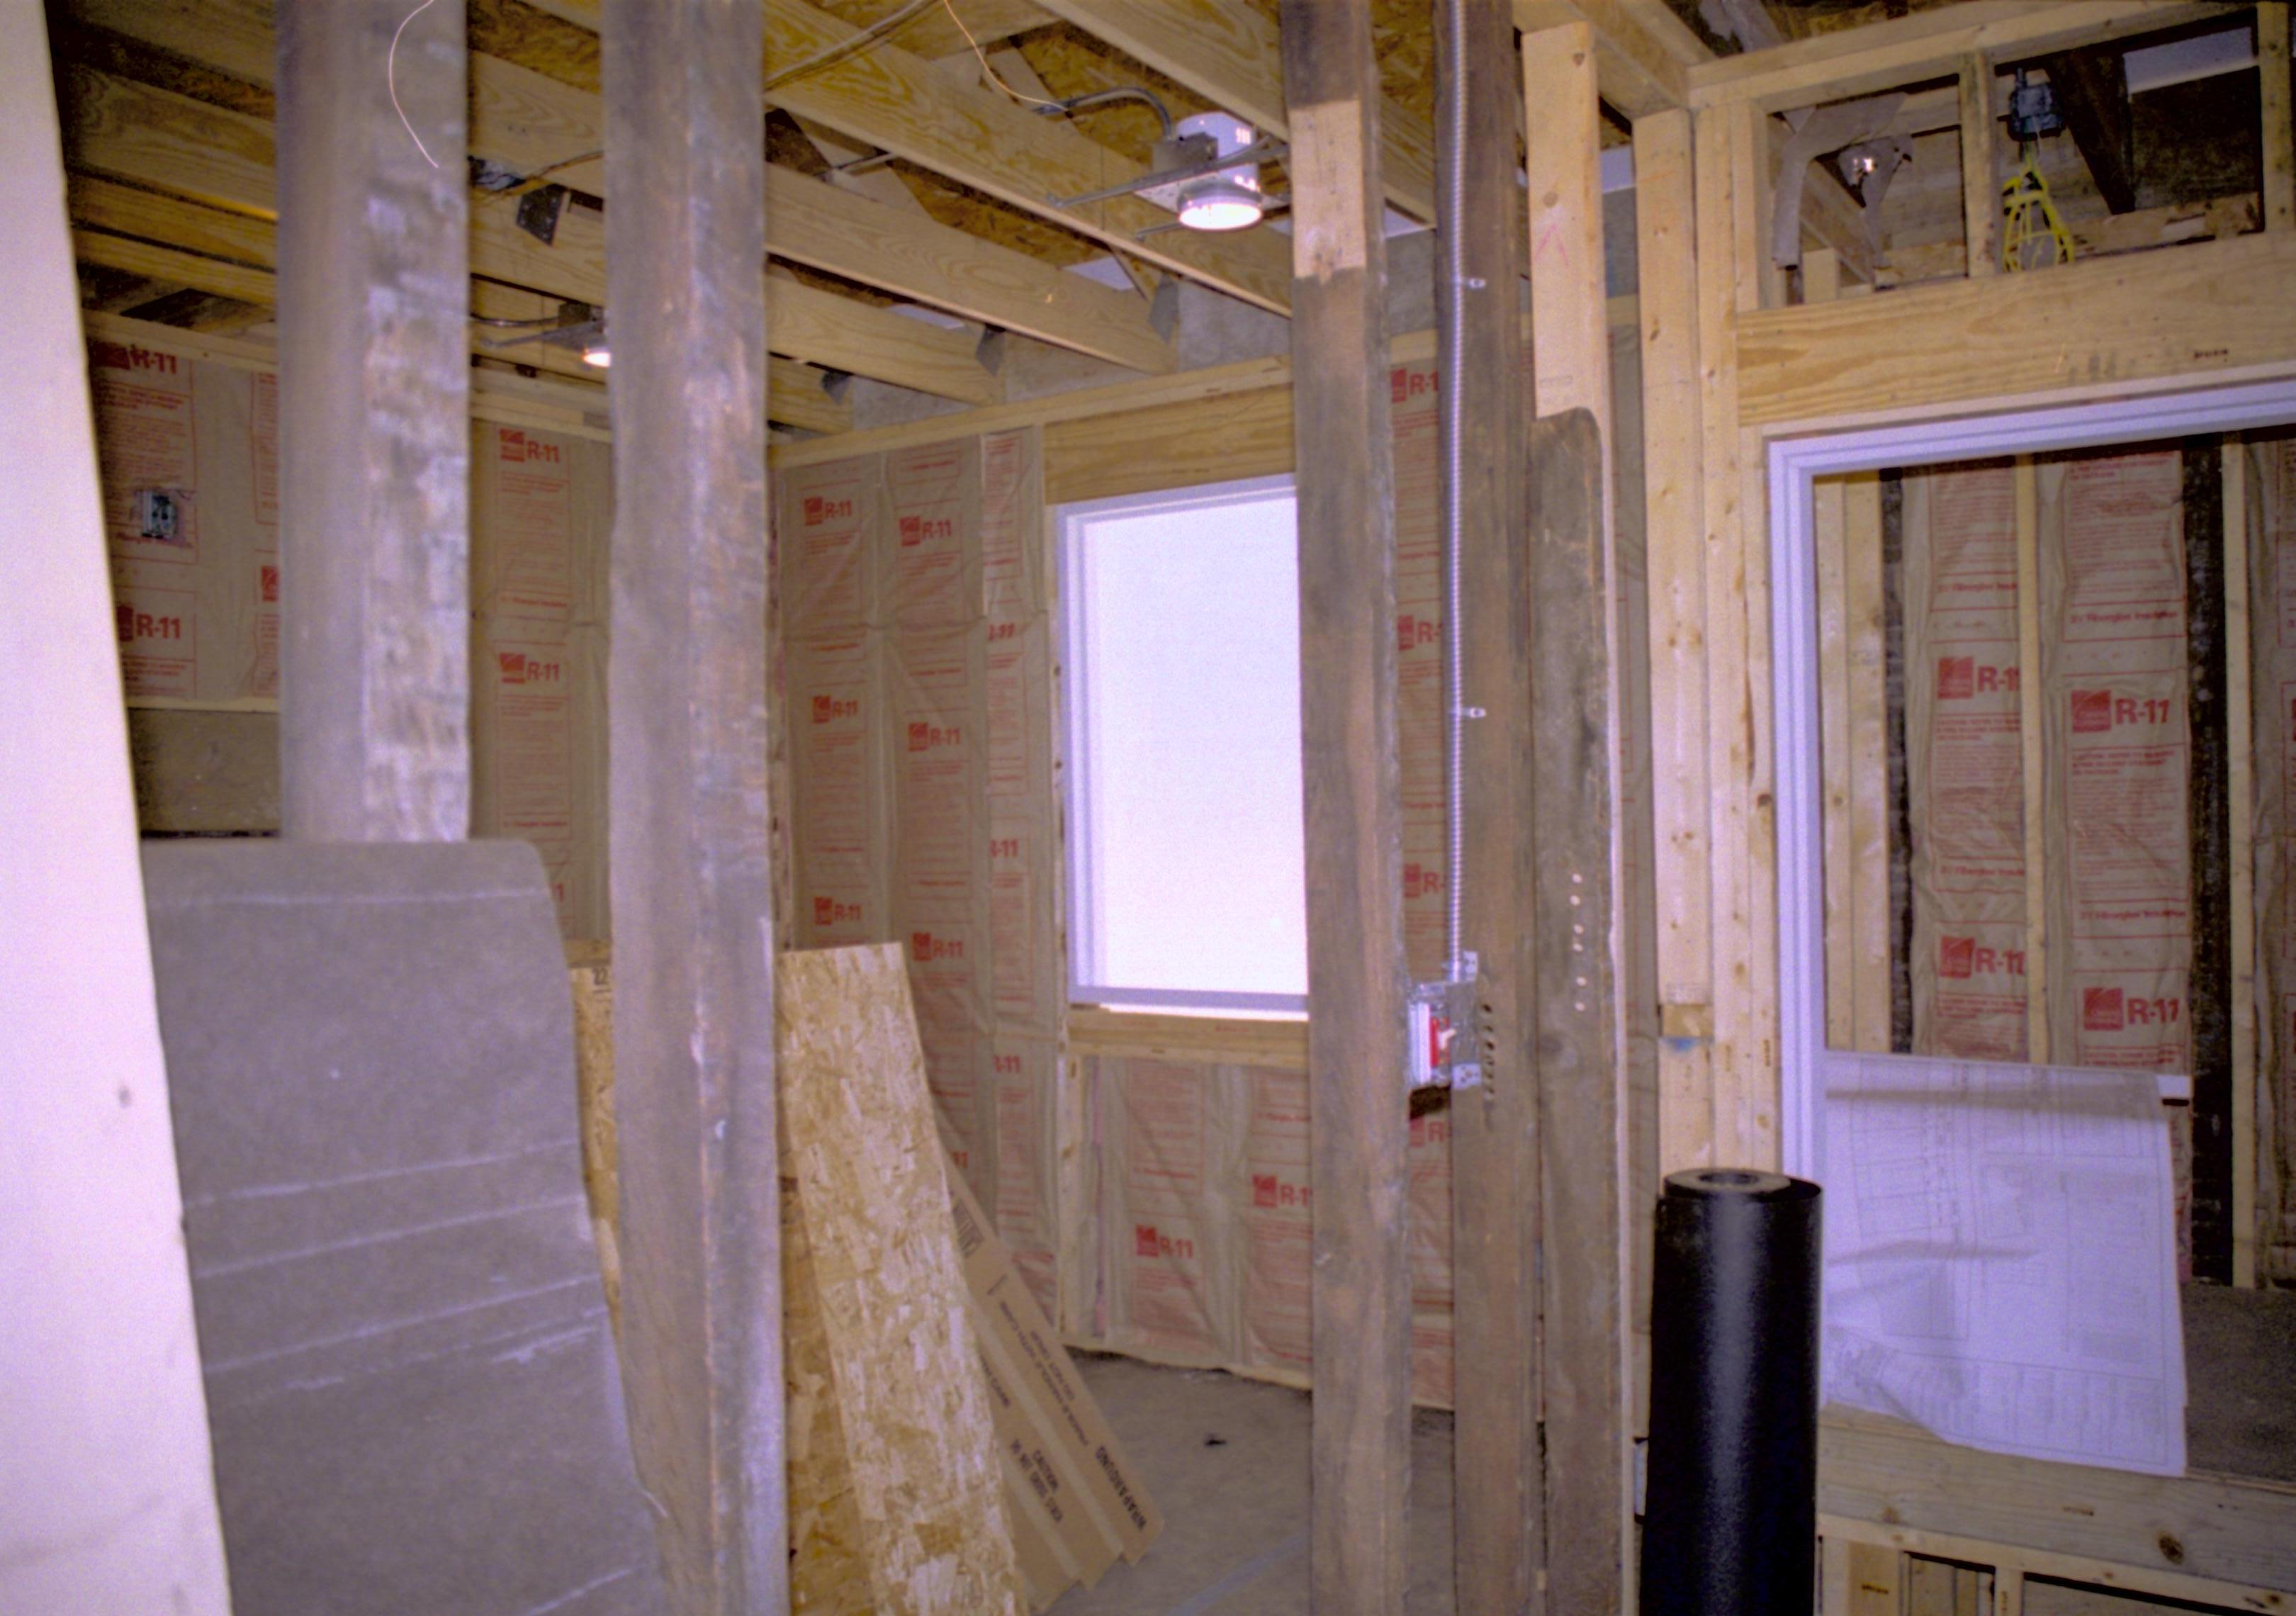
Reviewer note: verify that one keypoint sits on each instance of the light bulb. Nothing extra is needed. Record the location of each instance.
(1218, 203)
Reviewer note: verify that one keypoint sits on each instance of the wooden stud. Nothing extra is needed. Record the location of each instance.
(2208, 996)
(1743, 1090)
(1981, 187)
(1673, 518)
(374, 445)
(694, 1096)
(2028, 734)
(1584, 1174)
(1361, 1436)
(2274, 101)
(2239, 723)
(1821, 283)
(1584, 1358)
(1866, 628)
(1499, 1533)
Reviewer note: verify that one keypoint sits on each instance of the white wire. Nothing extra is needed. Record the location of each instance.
(390, 79)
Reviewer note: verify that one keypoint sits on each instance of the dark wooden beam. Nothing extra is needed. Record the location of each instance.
(374, 439)
(1361, 1439)
(694, 1025)
(1581, 1368)
(1497, 1503)
(2093, 95)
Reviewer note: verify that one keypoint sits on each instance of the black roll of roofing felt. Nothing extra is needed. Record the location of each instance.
(1730, 1508)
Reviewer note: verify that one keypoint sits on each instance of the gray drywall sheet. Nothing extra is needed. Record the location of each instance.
(409, 1371)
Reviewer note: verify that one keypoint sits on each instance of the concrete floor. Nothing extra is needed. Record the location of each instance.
(1226, 1461)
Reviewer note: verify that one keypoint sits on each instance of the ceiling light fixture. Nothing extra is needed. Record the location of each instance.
(1227, 198)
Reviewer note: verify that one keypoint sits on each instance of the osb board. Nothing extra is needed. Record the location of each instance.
(861, 1153)
(593, 1064)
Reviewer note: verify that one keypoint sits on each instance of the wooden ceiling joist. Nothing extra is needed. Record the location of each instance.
(1643, 53)
(1928, 45)
(1230, 53)
(153, 137)
(231, 254)
(528, 121)
(908, 106)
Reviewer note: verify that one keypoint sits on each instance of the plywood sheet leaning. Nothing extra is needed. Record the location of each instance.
(593, 1069)
(881, 1279)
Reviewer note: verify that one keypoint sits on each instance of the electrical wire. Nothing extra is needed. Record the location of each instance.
(843, 48)
(995, 77)
(390, 81)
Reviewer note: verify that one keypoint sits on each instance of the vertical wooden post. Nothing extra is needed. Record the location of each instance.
(1744, 936)
(1674, 517)
(2273, 96)
(1865, 610)
(1499, 1531)
(1583, 1177)
(2029, 734)
(695, 1102)
(1980, 186)
(374, 423)
(2240, 726)
(1361, 1439)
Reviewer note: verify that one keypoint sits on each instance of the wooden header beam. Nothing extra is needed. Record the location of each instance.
(1928, 45)
(1643, 53)
(2214, 308)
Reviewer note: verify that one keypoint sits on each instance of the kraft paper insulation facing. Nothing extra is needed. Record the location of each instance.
(2115, 762)
(918, 672)
(197, 609)
(915, 590)
(2270, 470)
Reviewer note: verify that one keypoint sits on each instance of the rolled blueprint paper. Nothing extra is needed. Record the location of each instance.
(1730, 1521)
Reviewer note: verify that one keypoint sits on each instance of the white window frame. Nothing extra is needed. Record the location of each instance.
(1069, 522)
(1794, 463)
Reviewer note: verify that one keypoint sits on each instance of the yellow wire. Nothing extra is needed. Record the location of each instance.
(994, 77)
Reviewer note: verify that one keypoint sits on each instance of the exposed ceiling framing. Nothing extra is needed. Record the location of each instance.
(954, 209)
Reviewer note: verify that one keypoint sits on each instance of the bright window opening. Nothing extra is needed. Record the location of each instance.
(1186, 873)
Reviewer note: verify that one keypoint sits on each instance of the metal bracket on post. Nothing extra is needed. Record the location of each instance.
(1446, 1034)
